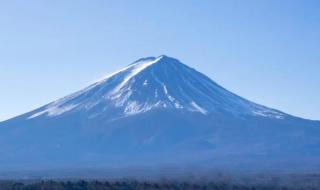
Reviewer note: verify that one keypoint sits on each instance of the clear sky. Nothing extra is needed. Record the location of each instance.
(267, 51)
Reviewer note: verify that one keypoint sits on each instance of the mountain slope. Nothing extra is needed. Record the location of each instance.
(154, 83)
(158, 111)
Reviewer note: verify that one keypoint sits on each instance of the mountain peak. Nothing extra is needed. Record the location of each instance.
(165, 57)
(155, 83)
(159, 59)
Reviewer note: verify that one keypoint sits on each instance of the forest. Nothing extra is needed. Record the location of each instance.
(147, 185)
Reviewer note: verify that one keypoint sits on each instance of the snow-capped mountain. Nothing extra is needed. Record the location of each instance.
(158, 111)
(150, 84)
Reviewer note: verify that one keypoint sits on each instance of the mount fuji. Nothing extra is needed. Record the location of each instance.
(157, 112)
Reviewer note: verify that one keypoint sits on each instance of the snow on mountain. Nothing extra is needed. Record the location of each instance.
(156, 83)
(158, 111)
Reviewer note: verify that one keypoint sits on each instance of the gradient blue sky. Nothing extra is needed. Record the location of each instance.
(267, 51)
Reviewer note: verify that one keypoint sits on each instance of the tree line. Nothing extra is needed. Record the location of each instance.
(138, 185)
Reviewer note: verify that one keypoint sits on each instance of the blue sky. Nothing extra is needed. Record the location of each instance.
(266, 51)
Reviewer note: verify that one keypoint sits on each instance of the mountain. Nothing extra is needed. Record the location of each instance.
(158, 112)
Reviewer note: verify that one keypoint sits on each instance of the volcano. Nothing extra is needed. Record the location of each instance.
(155, 112)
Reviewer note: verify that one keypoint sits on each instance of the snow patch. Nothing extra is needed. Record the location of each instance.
(132, 108)
(165, 89)
(135, 69)
(268, 113)
(54, 111)
(198, 108)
